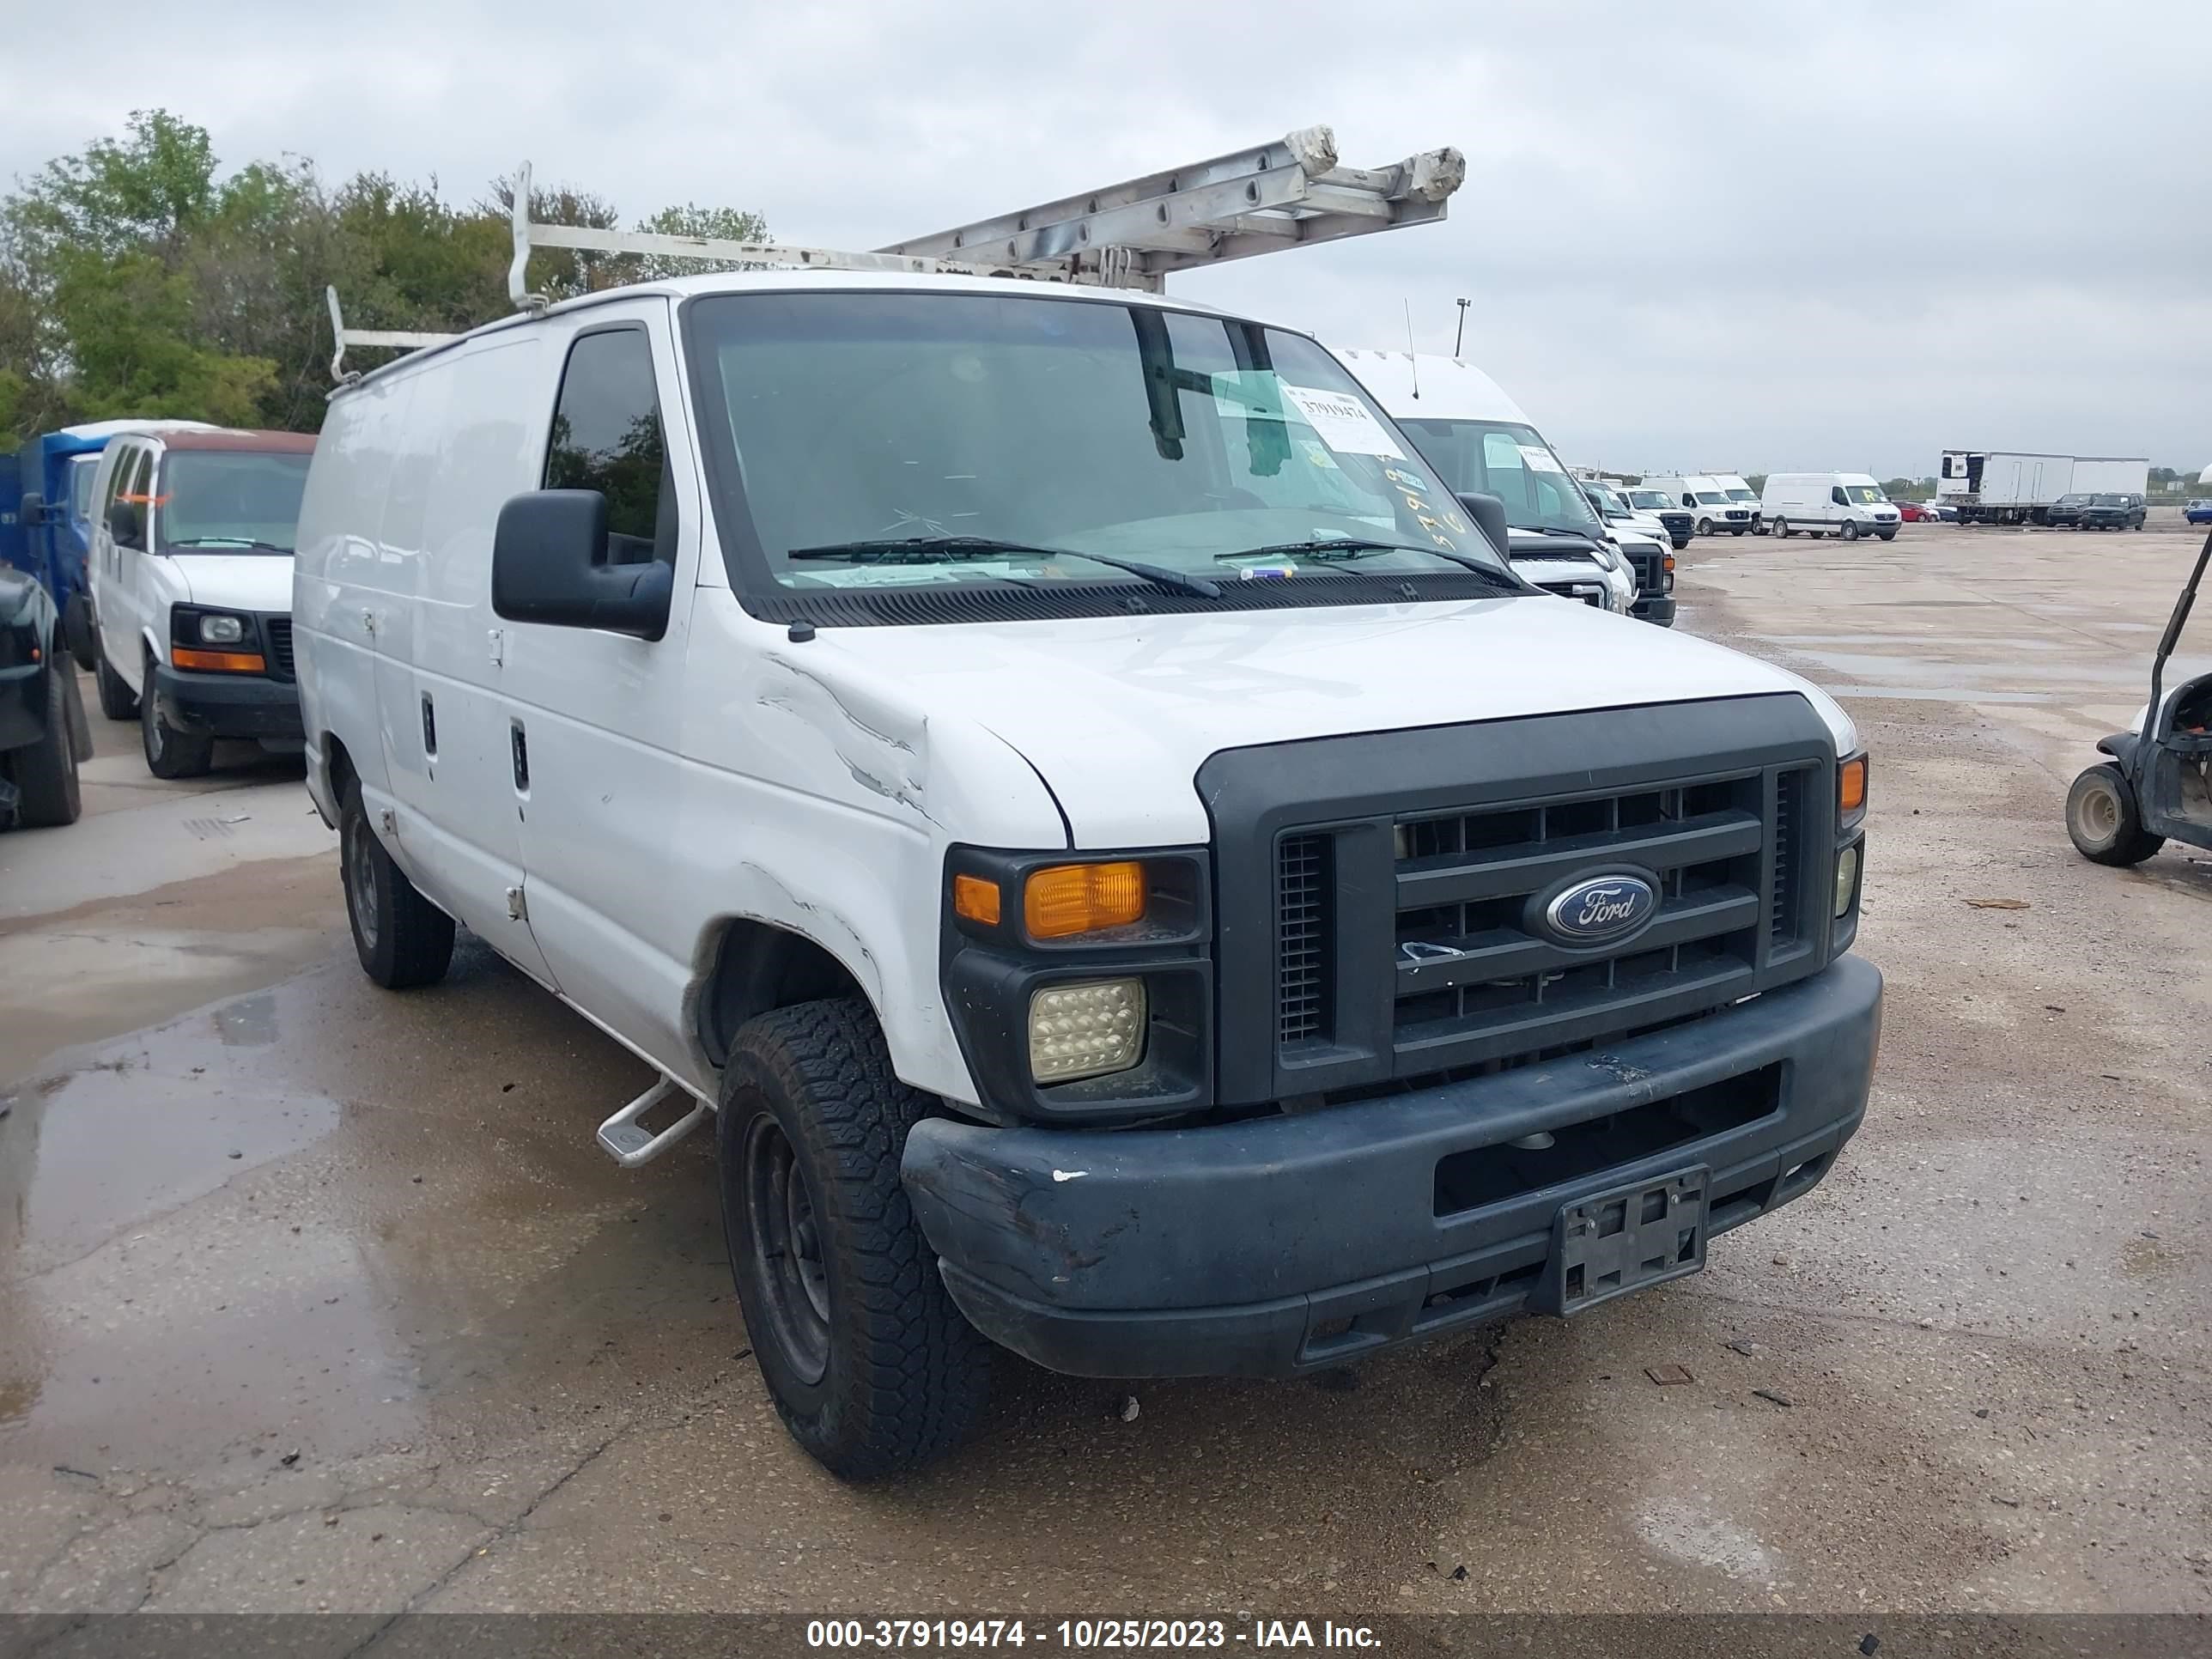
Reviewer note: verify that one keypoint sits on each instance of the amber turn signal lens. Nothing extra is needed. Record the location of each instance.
(221, 662)
(976, 899)
(1067, 899)
(1851, 786)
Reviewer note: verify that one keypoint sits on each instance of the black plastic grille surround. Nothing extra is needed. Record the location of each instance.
(279, 630)
(1336, 855)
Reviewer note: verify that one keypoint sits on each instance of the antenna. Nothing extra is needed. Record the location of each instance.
(1459, 338)
(1410, 355)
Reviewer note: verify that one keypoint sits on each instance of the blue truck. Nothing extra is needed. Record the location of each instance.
(46, 516)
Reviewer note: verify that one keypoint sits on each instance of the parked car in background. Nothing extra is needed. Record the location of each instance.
(1846, 504)
(191, 590)
(2198, 512)
(1940, 512)
(1678, 519)
(2120, 512)
(1708, 502)
(2065, 513)
(1479, 441)
(1911, 512)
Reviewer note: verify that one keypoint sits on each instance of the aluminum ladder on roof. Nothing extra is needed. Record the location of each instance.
(1290, 192)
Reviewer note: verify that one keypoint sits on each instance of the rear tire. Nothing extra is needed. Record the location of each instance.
(170, 753)
(871, 1367)
(402, 938)
(2102, 819)
(45, 771)
(117, 700)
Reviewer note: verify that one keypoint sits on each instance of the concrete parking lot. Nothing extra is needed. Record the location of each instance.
(316, 1297)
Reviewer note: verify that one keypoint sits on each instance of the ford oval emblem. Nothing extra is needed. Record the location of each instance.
(1600, 910)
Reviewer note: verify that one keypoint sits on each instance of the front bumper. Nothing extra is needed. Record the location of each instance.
(1294, 1243)
(228, 705)
(1657, 608)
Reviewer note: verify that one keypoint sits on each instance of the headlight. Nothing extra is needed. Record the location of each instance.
(1847, 879)
(216, 628)
(1087, 1030)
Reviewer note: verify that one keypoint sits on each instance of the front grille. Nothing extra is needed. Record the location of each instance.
(1302, 887)
(1650, 565)
(1738, 513)
(280, 646)
(1478, 981)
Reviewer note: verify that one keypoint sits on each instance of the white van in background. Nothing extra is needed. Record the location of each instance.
(1482, 443)
(1741, 495)
(1708, 499)
(1846, 504)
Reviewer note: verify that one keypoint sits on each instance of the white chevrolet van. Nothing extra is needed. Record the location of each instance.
(1131, 874)
(191, 575)
(1845, 504)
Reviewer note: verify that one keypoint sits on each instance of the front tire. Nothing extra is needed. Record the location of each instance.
(1782, 529)
(1850, 532)
(871, 1366)
(45, 771)
(2102, 819)
(117, 700)
(170, 753)
(402, 938)
(1887, 535)
(1704, 526)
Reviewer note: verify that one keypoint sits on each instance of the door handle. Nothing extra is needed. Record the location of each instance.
(519, 747)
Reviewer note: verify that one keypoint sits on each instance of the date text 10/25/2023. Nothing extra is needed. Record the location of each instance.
(1085, 1635)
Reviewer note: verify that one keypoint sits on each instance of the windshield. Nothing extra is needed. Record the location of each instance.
(230, 501)
(1607, 502)
(1738, 493)
(1864, 495)
(1709, 498)
(897, 439)
(2110, 501)
(1512, 462)
(81, 475)
(2073, 500)
(1649, 499)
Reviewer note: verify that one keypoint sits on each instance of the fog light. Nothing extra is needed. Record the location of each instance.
(1847, 877)
(1086, 1030)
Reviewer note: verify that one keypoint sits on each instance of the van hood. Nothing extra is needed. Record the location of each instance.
(237, 582)
(1118, 714)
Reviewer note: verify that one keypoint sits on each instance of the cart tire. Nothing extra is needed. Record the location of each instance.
(2102, 819)
(871, 1366)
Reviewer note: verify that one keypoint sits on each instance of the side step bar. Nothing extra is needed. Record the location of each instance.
(630, 1143)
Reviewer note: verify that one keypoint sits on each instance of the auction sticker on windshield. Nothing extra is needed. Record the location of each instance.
(1540, 459)
(1343, 423)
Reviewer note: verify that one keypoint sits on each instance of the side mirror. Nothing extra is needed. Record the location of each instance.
(31, 510)
(548, 564)
(1488, 513)
(125, 523)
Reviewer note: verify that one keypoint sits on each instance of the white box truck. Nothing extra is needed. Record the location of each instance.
(2001, 486)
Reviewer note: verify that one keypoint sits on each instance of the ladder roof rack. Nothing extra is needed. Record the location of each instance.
(1290, 192)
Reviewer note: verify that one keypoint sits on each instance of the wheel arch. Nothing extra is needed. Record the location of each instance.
(745, 967)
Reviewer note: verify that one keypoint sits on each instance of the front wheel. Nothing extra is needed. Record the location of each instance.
(1850, 530)
(1704, 526)
(1782, 529)
(45, 771)
(871, 1367)
(1887, 535)
(2102, 819)
(402, 938)
(169, 753)
(1680, 541)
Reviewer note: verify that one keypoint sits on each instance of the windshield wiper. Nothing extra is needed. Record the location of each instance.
(225, 541)
(1334, 550)
(1552, 530)
(975, 550)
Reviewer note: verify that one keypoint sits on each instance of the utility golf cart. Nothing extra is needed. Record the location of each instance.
(2158, 786)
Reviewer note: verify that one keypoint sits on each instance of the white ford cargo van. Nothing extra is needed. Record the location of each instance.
(1846, 504)
(190, 573)
(1480, 442)
(1741, 494)
(1053, 771)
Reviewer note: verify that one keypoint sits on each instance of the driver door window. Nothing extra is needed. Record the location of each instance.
(607, 436)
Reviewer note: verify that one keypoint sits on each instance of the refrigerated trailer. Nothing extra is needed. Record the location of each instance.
(2111, 475)
(2000, 486)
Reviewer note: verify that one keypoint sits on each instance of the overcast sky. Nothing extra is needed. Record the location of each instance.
(1715, 235)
